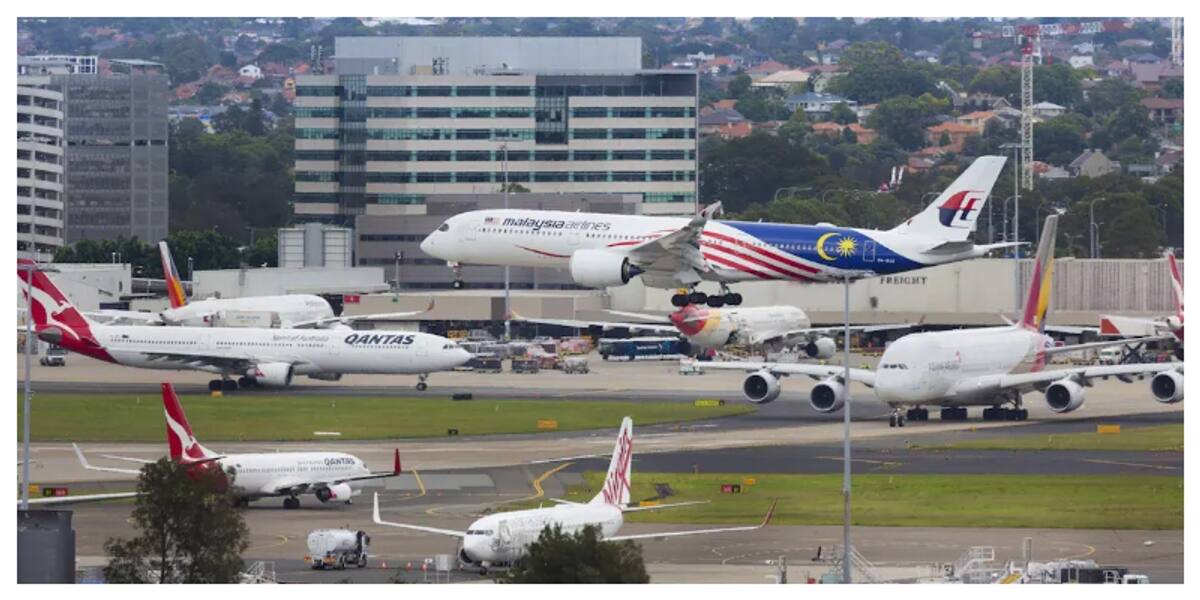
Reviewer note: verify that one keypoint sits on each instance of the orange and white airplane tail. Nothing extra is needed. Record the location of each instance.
(1041, 281)
(1177, 287)
(183, 445)
(171, 275)
(620, 469)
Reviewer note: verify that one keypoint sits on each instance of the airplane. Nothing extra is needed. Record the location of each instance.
(604, 250)
(294, 311)
(990, 366)
(771, 327)
(1113, 325)
(255, 356)
(502, 538)
(328, 476)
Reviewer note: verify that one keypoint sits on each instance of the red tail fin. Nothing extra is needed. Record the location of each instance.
(396, 463)
(55, 319)
(1176, 284)
(182, 443)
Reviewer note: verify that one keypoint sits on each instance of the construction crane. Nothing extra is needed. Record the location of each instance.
(1176, 40)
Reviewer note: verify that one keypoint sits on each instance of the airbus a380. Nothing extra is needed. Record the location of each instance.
(603, 250)
(240, 355)
(991, 366)
(769, 327)
(502, 538)
(1172, 325)
(328, 476)
(292, 310)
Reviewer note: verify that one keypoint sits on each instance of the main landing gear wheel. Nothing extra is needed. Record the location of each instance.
(679, 300)
(698, 298)
(716, 301)
(917, 414)
(229, 385)
(457, 284)
(997, 413)
(954, 413)
(291, 503)
(896, 419)
(733, 299)
(247, 382)
(421, 385)
(215, 385)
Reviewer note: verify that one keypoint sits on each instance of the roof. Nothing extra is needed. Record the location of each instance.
(827, 127)
(768, 67)
(725, 103)
(951, 127)
(816, 97)
(858, 129)
(785, 77)
(1162, 103)
(1047, 106)
(979, 115)
(722, 116)
(1152, 72)
(1084, 156)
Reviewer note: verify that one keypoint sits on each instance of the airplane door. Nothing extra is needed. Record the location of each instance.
(573, 238)
(869, 251)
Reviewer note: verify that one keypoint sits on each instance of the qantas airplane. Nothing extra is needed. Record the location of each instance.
(294, 311)
(990, 366)
(328, 476)
(603, 250)
(769, 327)
(253, 356)
(1172, 325)
(499, 539)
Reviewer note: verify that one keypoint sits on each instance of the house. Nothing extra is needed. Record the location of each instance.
(1093, 163)
(1135, 43)
(864, 112)
(1166, 162)
(919, 164)
(863, 135)
(1052, 172)
(1152, 76)
(1145, 59)
(766, 68)
(957, 133)
(782, 79)
(1164, 111)
(1080, 61)
(726, 123)
(251, 71)
(1048, 110)
(821, 75)
(817, 104)
(978, 119)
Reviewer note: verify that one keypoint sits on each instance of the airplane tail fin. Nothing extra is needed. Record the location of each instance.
(620, 469)
(182, 444)
(51, 310)
(1176, 283)
(1041, 280)
(953, 215)
(174, 285)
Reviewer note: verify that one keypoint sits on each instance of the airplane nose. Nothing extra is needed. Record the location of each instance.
(427, 244)
(461, 357)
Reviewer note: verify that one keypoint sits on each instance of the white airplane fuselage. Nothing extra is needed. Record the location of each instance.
(292, 308)
(503, 538)
(261, 474)
(715, 327)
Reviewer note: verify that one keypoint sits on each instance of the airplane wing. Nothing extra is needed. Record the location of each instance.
(86, 465)
(395, 472)
(863, 376)
(678, 250)
(84, 498)
(669, 534)
(346, 320)
(1105, 344)
(643, 316)
(606, 325)
(661, 506)
(380, 521)
(123, 317)
(826, 331)
(1082, 374)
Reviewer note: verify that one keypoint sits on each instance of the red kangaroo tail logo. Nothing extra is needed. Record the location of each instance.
(55, 319)
(183, 445)
(174, 286)
(616, 484)
(1176, 284)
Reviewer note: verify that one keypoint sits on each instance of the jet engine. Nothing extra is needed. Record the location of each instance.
(761, 387)
(325, 376)
(821, 347)
(828, 396)
(601, 268)
(274, 374)
(1167, 387)
(1064, 396)
(337, 491)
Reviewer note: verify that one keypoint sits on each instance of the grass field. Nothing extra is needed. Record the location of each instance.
(244, 417)
(1159, 438)
(1042, 501)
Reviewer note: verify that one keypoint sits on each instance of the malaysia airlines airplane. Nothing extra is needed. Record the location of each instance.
(603, 250)
(768, 327)
(1172, 325)
(990, 366)
(328, 476)
(502, 538)
(252, 355)
(292, 311)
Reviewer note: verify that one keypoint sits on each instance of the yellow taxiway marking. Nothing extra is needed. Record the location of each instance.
(537, 487)
(1128, 464)
(283, 539)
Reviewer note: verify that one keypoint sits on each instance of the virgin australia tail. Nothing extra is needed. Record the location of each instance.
(953, 215)
(620, 468)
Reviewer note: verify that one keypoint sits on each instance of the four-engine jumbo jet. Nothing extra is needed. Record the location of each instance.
(252, 355)
(770, 327)
(501, 538)
(329, 476)
(603, 250)
(990, 366)
(1173, 325)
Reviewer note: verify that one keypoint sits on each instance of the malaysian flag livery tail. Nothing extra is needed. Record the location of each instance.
(174, 285)
(182, 444)
(620, 469)
(953, 215)
(1041, 280)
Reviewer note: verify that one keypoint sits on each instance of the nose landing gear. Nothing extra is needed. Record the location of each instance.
(458, 280)
(421, 385)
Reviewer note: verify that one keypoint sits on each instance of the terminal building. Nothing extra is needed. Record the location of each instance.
(39, 168)
(404, 121)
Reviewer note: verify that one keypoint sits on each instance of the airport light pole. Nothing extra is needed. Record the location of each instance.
(507, 281)
(399, 257)
(1016, 148)
(1094, 243)
(27, 405)
(846, 437)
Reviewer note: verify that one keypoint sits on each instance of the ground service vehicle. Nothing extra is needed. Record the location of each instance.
(336, 548)
(56, 356)
(642, 348)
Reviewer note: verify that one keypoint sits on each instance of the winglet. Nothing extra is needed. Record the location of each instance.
(375, 511)
(770, 513)
(396, 463)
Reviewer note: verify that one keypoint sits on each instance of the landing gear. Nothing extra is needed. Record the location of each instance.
(291, 503)
(222, 385)
(716, 301)
(725, 298)
(954, 413)
(247, 382)
(997, 413)
(214, 385)
(917, 414)
(421, 385)
(896, 419)
(458, 280)
(698, 298)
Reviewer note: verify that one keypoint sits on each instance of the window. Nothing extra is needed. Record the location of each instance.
(551, 176)
(589, 134)
(433, 155)
(668, 155)
(629, 113)
(434, 90)
(509, 90)
(628, 176)
(473, 155)
(552, 155)
(473, 90)
(589, 112)
(629, 155)
(433, 113)
(628, 134)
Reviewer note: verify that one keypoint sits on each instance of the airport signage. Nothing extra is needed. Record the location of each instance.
(54, 492)
(547, 424)
(731, 488)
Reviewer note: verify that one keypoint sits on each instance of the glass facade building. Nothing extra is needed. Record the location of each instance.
(39, 169)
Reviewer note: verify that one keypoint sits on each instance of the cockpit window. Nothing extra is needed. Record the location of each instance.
(450, 346)
(445, 226)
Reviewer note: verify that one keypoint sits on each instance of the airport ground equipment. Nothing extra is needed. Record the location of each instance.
(337, 548)
(575, 365)
(56, 356)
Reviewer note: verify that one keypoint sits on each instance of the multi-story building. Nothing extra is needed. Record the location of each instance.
(39, 168)
(116, 153)
(404, 120)
(43, 63)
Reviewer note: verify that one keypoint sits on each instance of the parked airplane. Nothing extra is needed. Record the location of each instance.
(253, 355)
(501, 538)
(771, 327)
(603, 250)
(289, 311)
(990, 366)
(328, 476)
(1172, 325)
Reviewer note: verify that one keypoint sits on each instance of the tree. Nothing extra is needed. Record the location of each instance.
(877, 70)
(189, 530)
(1109, 94)
(186, 57)
(228, 59)
(760, 105)
(796, 128)
(1057, 141)
(1173, 88)
(581, 557)
(841, 114)
(743, 171)
(903, 118)
(739, 85)
(944, 140)
(997, 81)
(1130, 119)
(1057, 83)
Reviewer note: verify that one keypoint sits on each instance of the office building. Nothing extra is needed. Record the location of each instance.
(42, 64)
(39, 168)
(405, 120)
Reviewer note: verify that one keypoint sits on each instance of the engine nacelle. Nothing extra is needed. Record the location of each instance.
(1064, 396)
(821, 347)
(276, 374)
(1167, 387)
(336, 492)
(828, 396)
(761, 387)
(601, 268)
(325, 376)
